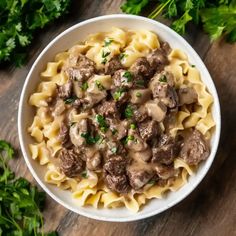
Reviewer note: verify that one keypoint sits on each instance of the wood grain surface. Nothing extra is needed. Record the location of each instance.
(209, 210)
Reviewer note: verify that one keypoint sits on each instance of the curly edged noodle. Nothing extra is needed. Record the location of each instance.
(45, 127)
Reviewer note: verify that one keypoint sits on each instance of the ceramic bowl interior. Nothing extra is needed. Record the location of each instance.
(26, 113)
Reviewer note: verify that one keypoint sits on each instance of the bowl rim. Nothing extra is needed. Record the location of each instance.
(135, 216)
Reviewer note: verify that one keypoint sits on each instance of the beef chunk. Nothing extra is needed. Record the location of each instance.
(116, 165)
(112, 66)
(118, 183)
(82, 69)
(108, 109)
(139, 176)
(65, 91)
(141, 68)
(157, 60)
(162, 88)
(166, 150)
(165, 47)
(70, 163)
(122, 79)
(139, 113)
(187, 96)
(195, 149)
(166, 171)
(64, 136)
(148, 129)
(94, 162)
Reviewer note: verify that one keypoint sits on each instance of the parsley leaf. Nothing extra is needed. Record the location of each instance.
(128, 76)
(107, 42)
(118, 94)
(70, 100)
(99, 85)
(129, 112)
(90, 139)
(84, 86)
(20, 202)
(163, 79)
(102, 122)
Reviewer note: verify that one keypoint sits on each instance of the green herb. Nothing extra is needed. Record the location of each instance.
(105, 54)
(102, 123)
(129, 112)
(122, 56)
(118, 94)
(129, 138)
(163, 79)
(70, 100)
(114, 150)
(84, 86)
(217, 17)
(140, 83)
(104, 61)
(21, 21)
(114, 131)
(72, 123)
(99, 85)
(107, 42)
(138, 94)
(20, 202)
(84, 174)
(90, 139)
(152, 182)
(133, 126)
(193, 65)
(128, 76)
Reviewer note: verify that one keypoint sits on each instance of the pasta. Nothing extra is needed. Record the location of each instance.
(89, 188)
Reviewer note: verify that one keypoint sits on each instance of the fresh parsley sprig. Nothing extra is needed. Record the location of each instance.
(20, 202)
(217, 17)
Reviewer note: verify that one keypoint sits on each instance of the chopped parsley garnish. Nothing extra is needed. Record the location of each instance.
(138, 94)
(102, 123)
(122, 56)
(118, 93)
(70, 100)
(163, 79)
(107, 42)
(99, 85)
(84, 174)
(114, 150)
(90, 139)
(193, 65)
(84, 86)
(133, 126)
(128, 76)
(129, 138)
(152, 182)
(104, 56)
(140, 83)
(114, 131)
(129, 112)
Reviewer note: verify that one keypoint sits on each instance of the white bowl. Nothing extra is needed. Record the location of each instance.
(25, 116)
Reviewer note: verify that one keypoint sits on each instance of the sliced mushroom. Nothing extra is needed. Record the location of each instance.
(156, 109)
(139, 96)
(75, 132)
(94, 162)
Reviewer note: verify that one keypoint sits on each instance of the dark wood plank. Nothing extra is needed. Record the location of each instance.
(210, 209)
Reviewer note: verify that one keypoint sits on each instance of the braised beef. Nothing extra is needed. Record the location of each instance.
(141, 68)
(139, 113)
(112, 66)
(82, 69)
(165, 47)
(116, 165)
(122, 79)
(70, 163)
(65, 91)
(148, 129)
(195, 149)
(167, 149)
(117, 183)
(64, 136)
(139, 176)
(157, 60)
(108, 109)
(187, 96)
(162, 88)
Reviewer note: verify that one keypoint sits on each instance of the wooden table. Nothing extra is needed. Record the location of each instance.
(210, 209)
